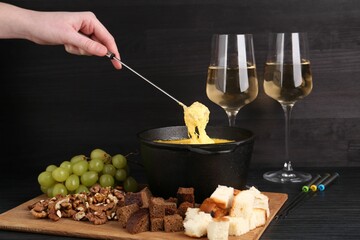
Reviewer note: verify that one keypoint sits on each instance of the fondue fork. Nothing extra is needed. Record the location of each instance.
(112, 56)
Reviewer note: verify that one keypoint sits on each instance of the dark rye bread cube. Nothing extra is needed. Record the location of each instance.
(159, 207)
(139, 221)
(185, 195)
(141, 198)
(171, 199)
(170, 208)
(156, 224)
(173, 223)
(183, 208)
(124, 213)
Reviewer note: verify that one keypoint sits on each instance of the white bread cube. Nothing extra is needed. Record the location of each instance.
(218, 229)
(263, 203)
(243, 204)
(258, 218)
(254, 190)
(191, 212)
(223, 196)
(261, 200)
(238, 226)
(196, 222)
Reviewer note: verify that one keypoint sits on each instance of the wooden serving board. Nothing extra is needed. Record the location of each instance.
(20, 219)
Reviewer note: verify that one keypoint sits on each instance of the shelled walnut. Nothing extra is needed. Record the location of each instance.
(97, 206)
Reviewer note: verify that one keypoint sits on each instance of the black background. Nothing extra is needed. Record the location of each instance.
(56, 105)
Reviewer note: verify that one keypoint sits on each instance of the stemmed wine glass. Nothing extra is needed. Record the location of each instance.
(232, 81)
(287, 79)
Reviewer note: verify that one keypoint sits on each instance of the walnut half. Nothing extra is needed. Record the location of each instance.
(97, 218)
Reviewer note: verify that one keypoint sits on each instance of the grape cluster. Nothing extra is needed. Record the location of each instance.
(81, 172)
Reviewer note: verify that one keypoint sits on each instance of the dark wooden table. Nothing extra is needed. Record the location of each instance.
(332, 214)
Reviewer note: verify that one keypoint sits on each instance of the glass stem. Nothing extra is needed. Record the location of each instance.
(287, 111)
(232, 117)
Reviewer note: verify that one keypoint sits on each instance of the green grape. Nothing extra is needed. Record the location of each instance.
(96, 165)
(79, 168)
(119, 161)
(67, 165)
(43, 189)
(46, 179)
(51, 168)
(89, 178)
(106, 180)
(101, 154)
(82, 189)
(72, 182)
(120, 175)
(59, 188)
(60, 174)
(49, 192)
(130, 185)
(77, 158)
(109, 169)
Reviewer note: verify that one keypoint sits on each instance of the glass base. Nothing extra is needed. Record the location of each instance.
(285, 176)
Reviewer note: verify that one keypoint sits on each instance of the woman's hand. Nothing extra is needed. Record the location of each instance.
(80, 32)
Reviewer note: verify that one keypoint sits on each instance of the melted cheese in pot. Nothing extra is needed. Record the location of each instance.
(188, 141)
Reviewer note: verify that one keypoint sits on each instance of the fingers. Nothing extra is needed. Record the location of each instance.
(90, 37)
(75, 50)
(99, 34)
(113, 49)
(90, 46)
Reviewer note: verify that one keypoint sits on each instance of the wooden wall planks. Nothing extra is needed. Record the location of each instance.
(56, 105)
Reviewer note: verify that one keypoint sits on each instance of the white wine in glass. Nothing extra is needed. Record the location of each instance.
(287, 79)
(232, 80)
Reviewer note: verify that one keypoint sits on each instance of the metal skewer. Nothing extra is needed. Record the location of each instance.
(112, 56)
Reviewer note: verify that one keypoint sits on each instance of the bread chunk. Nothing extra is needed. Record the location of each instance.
(185, 195)
(156, 224)
(139, 221)
(191, 212)
(183, 208)
(170, 208)
(223, 196)
(141, 198)
(146, 195)
(243, 204)
(157, 207)
(125, 212)
(171, 199)
(209, 206)
(258, 218)
(238, 226)
(261, 201)
(173, 223)
(196, 222)
(218, 229)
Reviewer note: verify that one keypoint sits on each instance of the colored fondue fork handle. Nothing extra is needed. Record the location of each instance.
(306, 187)
(314, 186)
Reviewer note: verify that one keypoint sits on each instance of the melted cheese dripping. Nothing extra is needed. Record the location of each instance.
(196, 118)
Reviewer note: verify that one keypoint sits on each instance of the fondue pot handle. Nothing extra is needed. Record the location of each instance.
(219, 149)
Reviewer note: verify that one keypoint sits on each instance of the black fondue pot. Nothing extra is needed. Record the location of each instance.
(201, 166)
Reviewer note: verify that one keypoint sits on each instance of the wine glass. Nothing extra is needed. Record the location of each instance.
(232, 81)
(287, 79)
